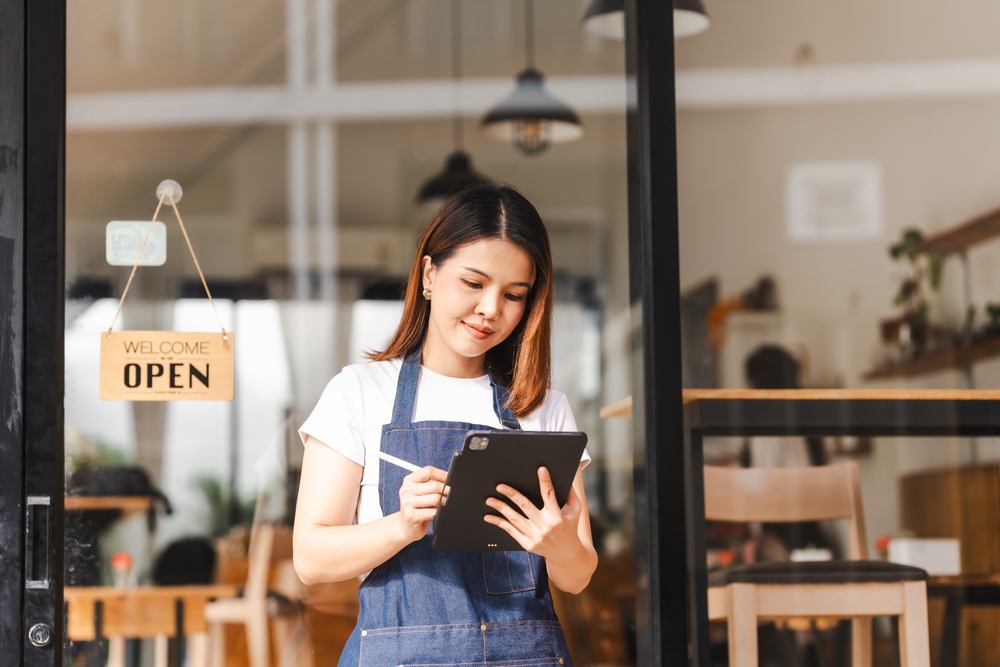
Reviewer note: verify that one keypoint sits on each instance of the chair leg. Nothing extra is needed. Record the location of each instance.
(742, 625)
(861, 641)
(914, 645)
(216, 645)
(281, 630)
(258, 644)
(297, 649)
(116, 652)
(197, 649)
(161, 650)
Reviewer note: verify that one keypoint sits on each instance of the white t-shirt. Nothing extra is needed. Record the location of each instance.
(357, 403)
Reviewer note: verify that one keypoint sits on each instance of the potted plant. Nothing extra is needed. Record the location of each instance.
(911, 330)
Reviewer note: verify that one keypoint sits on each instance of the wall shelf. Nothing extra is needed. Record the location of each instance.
(959, 238)
(954, 240)
(952, 358)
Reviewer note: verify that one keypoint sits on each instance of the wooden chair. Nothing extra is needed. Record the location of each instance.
(252, 610)
(857, 589)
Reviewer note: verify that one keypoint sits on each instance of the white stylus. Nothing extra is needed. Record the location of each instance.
(389, 458)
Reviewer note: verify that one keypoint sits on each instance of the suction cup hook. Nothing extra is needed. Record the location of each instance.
(172, 189)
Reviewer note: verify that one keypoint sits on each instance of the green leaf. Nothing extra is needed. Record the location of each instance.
(934, 268)
(993, 311)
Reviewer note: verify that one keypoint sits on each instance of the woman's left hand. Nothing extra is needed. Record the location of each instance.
(550, 532)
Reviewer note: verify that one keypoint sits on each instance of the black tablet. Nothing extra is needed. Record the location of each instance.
(489, 458)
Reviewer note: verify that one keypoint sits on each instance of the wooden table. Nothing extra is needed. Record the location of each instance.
(959, 591)
(800, 412)
(129, 505)
(98, 612)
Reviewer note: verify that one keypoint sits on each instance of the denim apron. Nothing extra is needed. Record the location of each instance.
(426, 607)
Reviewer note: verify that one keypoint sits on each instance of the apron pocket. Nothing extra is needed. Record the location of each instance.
(508, 572)
(489, 644)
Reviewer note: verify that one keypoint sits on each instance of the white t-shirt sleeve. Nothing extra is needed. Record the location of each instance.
(561, 418)
(338, 418)
(558, 416)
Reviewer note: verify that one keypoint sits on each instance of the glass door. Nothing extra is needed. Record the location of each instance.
(301, 133)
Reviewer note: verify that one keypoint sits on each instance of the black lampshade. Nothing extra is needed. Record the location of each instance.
(457, 175)
(531, 118)
(690, 18)
(606, 18)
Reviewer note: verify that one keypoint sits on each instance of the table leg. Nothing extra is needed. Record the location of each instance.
(178, 655)
(98, 620)
(99, 629)
(952, 632)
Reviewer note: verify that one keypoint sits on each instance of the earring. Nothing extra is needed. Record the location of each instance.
(427, 294)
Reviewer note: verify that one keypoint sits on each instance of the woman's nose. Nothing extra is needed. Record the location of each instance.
(489, 306)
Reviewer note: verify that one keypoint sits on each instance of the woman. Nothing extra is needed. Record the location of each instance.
(471, 351)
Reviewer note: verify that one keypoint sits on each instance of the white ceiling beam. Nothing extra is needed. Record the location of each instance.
(351, 102)
(716, 88)
(832, 84)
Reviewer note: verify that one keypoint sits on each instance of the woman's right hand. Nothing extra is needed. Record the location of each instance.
(419, 497)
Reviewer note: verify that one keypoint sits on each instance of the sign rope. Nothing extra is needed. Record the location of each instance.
(167, 193)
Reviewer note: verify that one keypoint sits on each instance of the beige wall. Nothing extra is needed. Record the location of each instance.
(753, 33)
(941, 166)
(940, 169)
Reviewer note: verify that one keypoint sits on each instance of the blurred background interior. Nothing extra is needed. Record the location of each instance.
(838, 177)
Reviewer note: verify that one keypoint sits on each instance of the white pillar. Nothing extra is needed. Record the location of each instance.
(296, 54)
(326, 154)
(298, 210)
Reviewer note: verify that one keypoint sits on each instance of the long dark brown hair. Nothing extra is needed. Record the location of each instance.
(523, 360)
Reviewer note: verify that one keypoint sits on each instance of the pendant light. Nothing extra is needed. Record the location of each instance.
(530, 118)
(458, 173)
(606, 18)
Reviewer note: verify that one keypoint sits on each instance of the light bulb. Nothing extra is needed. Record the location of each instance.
(532, 135)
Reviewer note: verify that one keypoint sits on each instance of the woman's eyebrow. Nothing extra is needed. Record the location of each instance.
(488, 277)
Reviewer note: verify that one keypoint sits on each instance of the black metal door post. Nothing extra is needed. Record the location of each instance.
(671, 615)
(32, 140)
(11, 326)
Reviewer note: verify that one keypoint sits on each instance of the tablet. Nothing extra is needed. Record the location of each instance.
(489, 458)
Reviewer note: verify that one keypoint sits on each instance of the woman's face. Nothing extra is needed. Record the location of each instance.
(478, 296)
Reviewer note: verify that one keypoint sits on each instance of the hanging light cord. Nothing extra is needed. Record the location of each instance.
(529, 33)
(456, 73)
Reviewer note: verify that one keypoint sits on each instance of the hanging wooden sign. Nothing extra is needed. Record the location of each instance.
(166, 366)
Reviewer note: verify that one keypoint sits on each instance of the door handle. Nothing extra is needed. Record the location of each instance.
(38, 526)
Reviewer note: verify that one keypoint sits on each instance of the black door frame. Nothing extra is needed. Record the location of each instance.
(32, 157)
(672, 617)
(671, 621)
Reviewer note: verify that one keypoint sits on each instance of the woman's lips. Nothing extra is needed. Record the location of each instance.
(477, 332)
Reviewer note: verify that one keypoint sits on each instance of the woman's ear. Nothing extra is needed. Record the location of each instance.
(427, 274)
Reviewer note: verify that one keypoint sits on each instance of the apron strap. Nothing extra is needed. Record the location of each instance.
(406, 390)
(503, 412)
(406, 395)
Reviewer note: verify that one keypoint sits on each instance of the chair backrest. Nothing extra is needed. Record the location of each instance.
(781, 495)
(259, 566)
